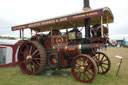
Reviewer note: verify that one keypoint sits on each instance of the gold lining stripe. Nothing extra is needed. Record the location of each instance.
(79, 48)
(53, 47)
(66, 47)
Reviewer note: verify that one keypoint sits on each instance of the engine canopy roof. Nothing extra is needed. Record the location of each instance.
(70, 21)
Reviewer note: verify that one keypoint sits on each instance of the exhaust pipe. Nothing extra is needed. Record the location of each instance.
(86, 5)
(87, 21)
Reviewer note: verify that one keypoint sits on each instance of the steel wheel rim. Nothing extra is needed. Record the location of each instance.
(86, 70)
(103, 62)
(29, 58)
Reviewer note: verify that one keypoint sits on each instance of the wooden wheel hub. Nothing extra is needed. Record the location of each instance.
(29, 57)
(81, 69)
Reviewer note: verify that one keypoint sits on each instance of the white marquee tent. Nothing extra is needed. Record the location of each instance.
(8, 53)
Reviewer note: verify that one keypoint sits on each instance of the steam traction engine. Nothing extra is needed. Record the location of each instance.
(57, 50)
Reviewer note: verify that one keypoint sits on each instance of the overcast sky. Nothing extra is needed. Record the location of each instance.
(17, 12)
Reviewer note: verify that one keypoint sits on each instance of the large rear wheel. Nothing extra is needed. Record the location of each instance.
(31, 57)
(84, 68)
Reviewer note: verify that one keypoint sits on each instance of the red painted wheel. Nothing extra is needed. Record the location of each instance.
(103, 62)
(31, 57)
(83, 68)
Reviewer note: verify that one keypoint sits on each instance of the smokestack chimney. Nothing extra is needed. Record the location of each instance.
(86, 5)
(87, 20)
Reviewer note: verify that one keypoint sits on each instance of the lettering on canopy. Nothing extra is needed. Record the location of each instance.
(57, 20)
(85, 15)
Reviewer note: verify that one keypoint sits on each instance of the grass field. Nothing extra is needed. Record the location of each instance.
(13, 75)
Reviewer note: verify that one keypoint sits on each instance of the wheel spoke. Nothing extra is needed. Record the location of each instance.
(27, 47)
(35, 64)
(87, 76)
(103, 67)
(36, 58)
(105, 60)
(98, 56)
(79, 75)
(25, 53)
(78, 62)
(30, 51)
(36, 55)
(76, 67)
(89, 72)
(83, 61)
(86, 62)
(84, 76)
(26, 62)
(105, 63)
(35, 52)
(33, 68)
(89, 66)
(102, 58)
(29, 67)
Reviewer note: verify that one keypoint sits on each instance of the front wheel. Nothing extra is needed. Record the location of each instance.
(83, 68)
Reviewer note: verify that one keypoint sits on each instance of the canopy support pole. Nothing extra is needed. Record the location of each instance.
(31, 32)
(102, 30)
(51, 37)
(22, 34)
(107, 25)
